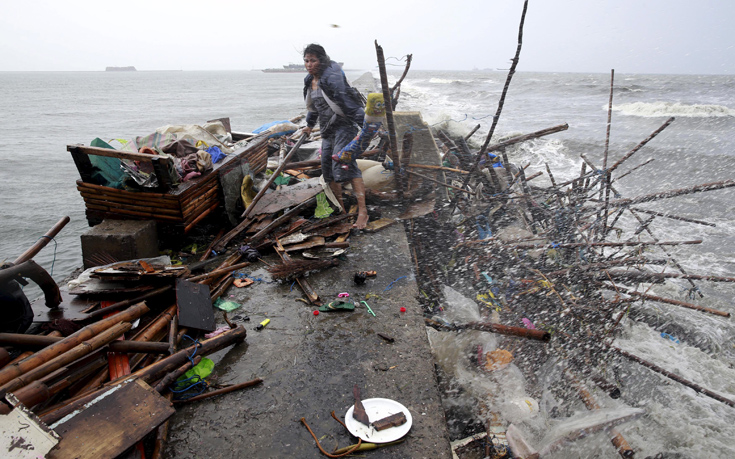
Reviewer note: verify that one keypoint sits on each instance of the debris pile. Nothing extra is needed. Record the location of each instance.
(559, 264)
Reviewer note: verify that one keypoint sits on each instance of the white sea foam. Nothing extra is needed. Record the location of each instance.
(447, 81)
(656, 109)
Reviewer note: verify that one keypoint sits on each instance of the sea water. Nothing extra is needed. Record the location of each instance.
(43, 112)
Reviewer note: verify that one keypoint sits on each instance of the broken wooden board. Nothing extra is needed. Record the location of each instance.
(261, 222)
(111, 423)
(337, 228)
(23, 435)
(314, 241)
(377, 225)
(419, 208)
(72, 307)
(194, 306)
(290, 196)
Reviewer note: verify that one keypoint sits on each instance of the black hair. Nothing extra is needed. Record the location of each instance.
(318, 51)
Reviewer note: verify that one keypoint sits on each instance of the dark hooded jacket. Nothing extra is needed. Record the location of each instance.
(333, 83)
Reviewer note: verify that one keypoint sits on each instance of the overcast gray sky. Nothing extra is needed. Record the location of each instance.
(631, 36)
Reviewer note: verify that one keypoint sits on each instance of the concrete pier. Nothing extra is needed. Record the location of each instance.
(309, 364)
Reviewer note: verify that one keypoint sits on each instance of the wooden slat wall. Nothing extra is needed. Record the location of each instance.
(184, 206)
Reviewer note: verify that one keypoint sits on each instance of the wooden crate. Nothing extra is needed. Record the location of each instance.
(181, 206)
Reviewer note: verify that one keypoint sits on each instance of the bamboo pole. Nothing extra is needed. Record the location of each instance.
(169, 379)
(673, 193)
(227, 238)
(152, 372)
(219, 272)
(157, 325)
(24, 341)
(472, 132)
(534, 334)
(675, 377)
(39, 358)
(501, 101)
(673, 217)
(606, 180)
(82, 349)
(671, 257)
(659, 299)
(617, 439)
(569, 245)
(210, 248)
(224, 390)
(632, 170)
(42, 241)
(641, 145)
(438, 168)
(438, 182)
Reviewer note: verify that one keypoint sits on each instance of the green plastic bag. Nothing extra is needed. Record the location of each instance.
(202, 370)
(226, 306)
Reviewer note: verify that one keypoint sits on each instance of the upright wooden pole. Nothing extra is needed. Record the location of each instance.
(389, 118)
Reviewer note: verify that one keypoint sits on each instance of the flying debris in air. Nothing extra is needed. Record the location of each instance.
(334, 26)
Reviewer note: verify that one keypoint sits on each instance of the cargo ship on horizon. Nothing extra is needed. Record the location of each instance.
(292, 68)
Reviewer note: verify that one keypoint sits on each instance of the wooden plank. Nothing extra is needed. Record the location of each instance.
(378, 225)
(118, 210)
(314, 241)
(113, 203)
(287, 197)
(201, 217)
(145, 195)
(84, 165)
(171, 206)
(194, 306)
(111, 423)
(195, 207)
(80, 149)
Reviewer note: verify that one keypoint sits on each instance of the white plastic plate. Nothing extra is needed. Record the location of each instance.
(378, 408)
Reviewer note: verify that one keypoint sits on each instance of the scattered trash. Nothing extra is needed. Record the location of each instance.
(226, 306)
(368, 308)
(669, 337)
(338, 305)
(240, 283)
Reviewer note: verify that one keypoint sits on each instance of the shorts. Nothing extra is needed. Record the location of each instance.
(333, 171)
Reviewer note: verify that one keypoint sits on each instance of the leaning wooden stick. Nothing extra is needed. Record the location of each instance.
(501, 102)
(220, 246)
(224, 390)
(675, 377)
(389, 117)
(641, 145)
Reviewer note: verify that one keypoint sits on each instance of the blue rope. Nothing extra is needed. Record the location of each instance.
(390, 286)
(56, 244)
(179, 387)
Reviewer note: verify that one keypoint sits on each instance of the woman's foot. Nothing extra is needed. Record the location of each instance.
(362, 219)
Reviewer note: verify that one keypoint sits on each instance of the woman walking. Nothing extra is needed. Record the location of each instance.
(330, 102)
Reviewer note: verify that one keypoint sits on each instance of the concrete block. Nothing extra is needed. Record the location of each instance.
(121, 239)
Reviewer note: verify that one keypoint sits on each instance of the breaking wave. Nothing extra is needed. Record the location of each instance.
(655, 109)
(447, 81)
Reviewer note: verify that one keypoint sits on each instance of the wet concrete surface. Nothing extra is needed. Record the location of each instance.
(310, 363)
